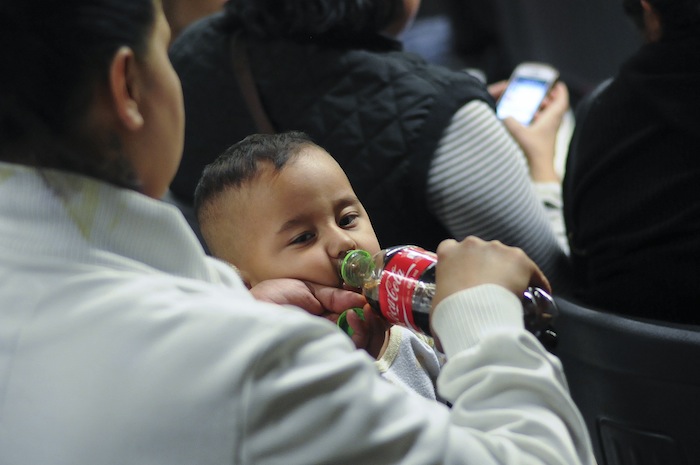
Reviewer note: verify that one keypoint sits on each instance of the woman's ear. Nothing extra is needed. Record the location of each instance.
(124, 88)
(405, 13)
(652, 22)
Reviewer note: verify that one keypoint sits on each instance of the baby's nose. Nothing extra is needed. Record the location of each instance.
(339, 261)
(343, 253)
(341, 244)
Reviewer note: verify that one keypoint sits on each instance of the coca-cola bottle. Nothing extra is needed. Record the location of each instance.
(399, 284)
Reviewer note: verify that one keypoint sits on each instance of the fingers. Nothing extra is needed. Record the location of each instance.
(373, 331)
(538, 140)
(497, 88)
(287, 292)
(336, 300)
(314, 298)
(360, 330)
(327, 302)
(472, 262)
(516, 129)
(555, 105)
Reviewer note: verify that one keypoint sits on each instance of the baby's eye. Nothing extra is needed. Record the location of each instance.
(348, 220)
(303, 238)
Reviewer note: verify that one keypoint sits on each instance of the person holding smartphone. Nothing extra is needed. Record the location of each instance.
(521, 104)
(422, 144)
(631, 188)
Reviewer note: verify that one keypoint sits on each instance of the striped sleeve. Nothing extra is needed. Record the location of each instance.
(478, 184)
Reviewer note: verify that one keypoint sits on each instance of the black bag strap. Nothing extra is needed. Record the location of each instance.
(246, 83)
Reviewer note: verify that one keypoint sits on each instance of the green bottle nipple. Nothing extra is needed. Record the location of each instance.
(355, 266)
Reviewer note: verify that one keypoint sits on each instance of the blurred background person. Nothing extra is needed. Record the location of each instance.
(632, 204)
(585, 41)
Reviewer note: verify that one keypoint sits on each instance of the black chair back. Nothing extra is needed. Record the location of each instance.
(637, 384)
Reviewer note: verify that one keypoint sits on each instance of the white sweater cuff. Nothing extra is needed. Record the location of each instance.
(464, 318)
(549, 193)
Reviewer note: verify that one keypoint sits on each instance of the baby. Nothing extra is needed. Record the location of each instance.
(279, 206)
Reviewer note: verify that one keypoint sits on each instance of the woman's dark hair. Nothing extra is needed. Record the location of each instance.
(241, 162)
(302, 20)
(56, 54)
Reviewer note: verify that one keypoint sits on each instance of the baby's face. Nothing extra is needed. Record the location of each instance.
(296, 223)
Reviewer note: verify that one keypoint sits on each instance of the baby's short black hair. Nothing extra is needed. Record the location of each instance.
(241, 162)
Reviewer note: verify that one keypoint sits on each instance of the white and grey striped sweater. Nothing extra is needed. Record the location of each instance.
(478, 184)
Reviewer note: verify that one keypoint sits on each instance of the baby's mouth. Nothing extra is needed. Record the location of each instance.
(338, 268)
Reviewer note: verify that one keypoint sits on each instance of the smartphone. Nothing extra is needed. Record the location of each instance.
(527, 87)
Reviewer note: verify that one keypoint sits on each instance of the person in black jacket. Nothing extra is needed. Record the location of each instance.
(631, 198)
(420, 143)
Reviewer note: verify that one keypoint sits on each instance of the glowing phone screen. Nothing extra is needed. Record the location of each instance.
(522, 98)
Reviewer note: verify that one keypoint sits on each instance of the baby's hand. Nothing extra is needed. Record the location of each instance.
(366, 329)
(327, 302)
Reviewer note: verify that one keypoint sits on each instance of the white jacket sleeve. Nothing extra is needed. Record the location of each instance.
(313, 399)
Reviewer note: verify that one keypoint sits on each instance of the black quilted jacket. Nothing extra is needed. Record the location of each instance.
(378, 110)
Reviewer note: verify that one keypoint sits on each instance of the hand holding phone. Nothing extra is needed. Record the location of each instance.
(527, 88)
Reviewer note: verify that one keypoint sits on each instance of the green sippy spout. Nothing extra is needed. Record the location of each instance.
(356, 267)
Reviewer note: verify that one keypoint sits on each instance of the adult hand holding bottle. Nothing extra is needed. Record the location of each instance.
(473, 262)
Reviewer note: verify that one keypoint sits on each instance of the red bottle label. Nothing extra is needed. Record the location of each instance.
(401, 274)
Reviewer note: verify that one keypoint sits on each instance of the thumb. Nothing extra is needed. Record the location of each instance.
(513, 126)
